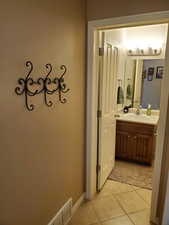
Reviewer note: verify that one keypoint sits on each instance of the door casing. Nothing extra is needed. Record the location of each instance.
(92, 100)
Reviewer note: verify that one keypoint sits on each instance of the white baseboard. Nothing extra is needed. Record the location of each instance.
(78, 203)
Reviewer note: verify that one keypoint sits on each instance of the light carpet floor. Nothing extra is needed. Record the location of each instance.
(132, 173)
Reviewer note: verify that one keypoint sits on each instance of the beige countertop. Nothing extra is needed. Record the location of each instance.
(142, 118)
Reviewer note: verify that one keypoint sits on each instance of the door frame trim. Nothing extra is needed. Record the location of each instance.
(92, 98)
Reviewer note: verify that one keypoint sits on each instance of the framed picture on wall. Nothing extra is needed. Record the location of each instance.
(159, 72)
(150, 73)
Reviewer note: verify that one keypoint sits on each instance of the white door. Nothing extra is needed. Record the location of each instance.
(107, 108)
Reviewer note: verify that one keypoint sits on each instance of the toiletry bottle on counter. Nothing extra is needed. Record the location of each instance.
(148, 110)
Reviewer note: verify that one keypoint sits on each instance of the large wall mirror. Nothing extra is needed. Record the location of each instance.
(143, 78)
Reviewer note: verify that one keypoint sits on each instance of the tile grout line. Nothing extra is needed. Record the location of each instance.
(95, 213)
(137, 211)
(132, 185)
(106, 220)
(122, 192)
(113, 218)
(143, 199)
(130, 213)
(131, 220)
(124, 211)
(114, 196)
(134, 211)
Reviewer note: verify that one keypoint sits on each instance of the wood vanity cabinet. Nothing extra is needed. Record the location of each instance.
(135, 141)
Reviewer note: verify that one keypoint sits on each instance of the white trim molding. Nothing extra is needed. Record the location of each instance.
(92, 98)
(133, 20)
(78, 203)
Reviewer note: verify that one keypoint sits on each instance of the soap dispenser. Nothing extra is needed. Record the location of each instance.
(148, 110)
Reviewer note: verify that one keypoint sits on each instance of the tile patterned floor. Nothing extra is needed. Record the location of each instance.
(116, 204)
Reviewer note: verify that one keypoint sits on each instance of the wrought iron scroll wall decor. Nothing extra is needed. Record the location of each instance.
(47, 86)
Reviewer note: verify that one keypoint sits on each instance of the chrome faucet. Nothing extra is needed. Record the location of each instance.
(138, 110)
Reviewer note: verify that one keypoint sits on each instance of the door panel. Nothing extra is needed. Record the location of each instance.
(144, 148)
(122, 144)
(107, 105)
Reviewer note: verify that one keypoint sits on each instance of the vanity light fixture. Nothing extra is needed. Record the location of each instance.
(144, 52)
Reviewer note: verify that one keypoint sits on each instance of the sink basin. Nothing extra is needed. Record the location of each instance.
(142, 118)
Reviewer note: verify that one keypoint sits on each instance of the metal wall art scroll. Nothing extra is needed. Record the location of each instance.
(43, 85)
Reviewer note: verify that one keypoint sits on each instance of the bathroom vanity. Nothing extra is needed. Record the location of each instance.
(137, 126)
(135, 138)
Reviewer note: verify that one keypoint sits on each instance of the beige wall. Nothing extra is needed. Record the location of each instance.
(42, 152)
(98, 9)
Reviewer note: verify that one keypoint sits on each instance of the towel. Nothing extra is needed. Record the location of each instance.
(129, 92)
(120, 95)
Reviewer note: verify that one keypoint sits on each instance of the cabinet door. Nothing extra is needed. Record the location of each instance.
(125, 146)
(132, 143)
(135, 141)
(121, 144)
(144, 148)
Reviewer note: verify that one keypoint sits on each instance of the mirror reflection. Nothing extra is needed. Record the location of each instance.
(142, 83)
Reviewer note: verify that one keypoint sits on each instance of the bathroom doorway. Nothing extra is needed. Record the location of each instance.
(93, 65)
(131, 66)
